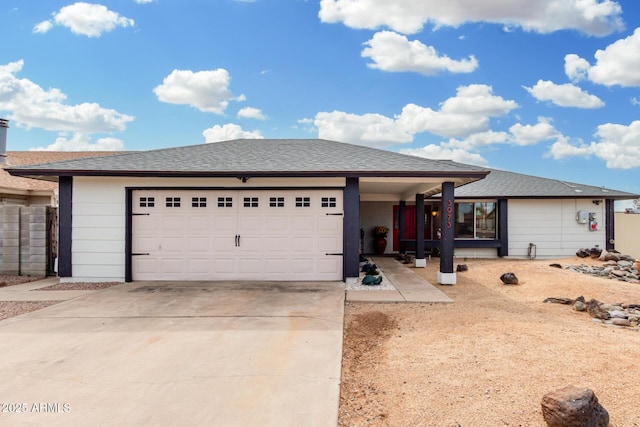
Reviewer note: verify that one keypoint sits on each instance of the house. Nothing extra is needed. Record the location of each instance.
(513, 215)
(276, 209)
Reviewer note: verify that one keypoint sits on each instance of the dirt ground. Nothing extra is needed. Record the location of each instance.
(490, 357)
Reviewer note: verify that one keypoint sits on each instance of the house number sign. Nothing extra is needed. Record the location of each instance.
(449, 213)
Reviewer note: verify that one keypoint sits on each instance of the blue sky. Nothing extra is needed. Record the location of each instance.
(546, 87)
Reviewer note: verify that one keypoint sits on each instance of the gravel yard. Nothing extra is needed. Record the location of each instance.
(488, 358)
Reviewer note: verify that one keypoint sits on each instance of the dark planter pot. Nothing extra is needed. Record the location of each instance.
(379, 245)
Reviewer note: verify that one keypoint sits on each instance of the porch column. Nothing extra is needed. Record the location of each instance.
(420, 261)
(609, 221)
(503, 227)
(446, 275)
(402, 224)
(65, 201)
(351, 231)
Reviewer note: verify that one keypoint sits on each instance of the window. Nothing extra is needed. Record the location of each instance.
(225, 202)
(198, 202)
(147, 202)
(303, 202)
(475, 220)
(276, 202)
(250, 202)
(173, 202)
(328, 202)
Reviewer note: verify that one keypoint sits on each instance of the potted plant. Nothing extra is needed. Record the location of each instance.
(380, 239)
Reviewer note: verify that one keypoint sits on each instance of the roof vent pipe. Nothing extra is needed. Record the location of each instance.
(4, 124)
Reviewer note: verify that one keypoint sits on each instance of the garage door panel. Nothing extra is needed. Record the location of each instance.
(145, 244)
(302, 265)
(277, 266)
(201, 224)
(277, 244)
(248, 265)
(277, 224)
(303, 223)
(200, 244)
(199, 266)
(174, 224)
(225, 265)
(174, 244)
(172, 265)
(283, 235)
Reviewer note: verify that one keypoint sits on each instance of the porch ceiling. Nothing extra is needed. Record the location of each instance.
(392, 188)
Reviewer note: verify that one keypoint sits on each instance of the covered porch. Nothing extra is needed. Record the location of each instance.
(384, 202)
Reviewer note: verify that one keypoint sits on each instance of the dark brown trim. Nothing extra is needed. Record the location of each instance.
(419, 226)
(610, 222)
(503, 227)
(249, 174)
(65, 226)
(128, 235)
(447, 230)
(351, 229)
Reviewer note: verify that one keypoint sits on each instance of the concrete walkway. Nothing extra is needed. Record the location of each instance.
(409, 286)
(177, 354)
(29, 292)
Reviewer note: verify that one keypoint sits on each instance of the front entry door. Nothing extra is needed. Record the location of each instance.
(410, 224)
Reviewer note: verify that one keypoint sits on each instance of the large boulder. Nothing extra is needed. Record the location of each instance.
(573, 407)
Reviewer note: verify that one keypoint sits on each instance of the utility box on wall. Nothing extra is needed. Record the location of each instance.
(593, 223)
(582, 216)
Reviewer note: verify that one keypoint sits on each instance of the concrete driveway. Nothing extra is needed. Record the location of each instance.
(177, 354)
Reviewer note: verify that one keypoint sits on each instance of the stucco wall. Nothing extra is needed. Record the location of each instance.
(627, 233)
(98, 236)
(551, 225)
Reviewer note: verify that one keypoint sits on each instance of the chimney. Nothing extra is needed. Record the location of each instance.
(4, 124)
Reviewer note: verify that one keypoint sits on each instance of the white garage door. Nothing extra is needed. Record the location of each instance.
(237, 235)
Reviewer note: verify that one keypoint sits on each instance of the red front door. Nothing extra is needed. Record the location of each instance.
(410, 224)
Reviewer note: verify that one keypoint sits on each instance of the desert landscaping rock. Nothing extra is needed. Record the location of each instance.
(509, 279)
(573, 407)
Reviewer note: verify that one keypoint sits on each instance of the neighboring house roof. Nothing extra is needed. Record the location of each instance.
(22, 185)
(258, 157)
(504, 184)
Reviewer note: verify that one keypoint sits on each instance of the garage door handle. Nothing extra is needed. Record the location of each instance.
(139, 254)
(337, 254)
(335, 214)
(237, 240)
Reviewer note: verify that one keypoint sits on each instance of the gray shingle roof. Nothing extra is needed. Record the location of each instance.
(258, 156)
(504, 184)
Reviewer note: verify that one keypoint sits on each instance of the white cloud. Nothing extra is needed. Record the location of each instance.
(82, 142)
(368, 129)
(564, 95)
(618, 145)
(467, 113)
(87, 19)
(576, 68)
(251, 113)
(144, 1)
(477, 140)
(32, 106)
(532, 134)
(594, 17)
(438, 152)
(564, 148)
(617, 64)
(207, 91)
(228, 132)
(394, 52)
